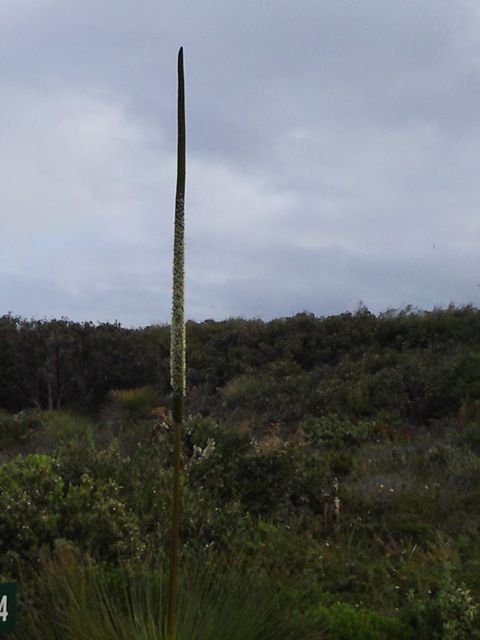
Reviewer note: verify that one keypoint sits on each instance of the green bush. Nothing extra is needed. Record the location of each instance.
(446, 612)
(35, 431)
(348, 622)
(97, 520)
(15, 429)
(334, 431)
(74, 460)
(141, 483)
(470, 436)
(38, 506)
(59, 428)
(31, 495)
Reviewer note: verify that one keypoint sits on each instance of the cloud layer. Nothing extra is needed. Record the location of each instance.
(331, 156)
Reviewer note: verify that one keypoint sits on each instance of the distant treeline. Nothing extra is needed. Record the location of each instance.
(411, 365)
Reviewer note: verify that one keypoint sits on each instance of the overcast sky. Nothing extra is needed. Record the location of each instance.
(332, 156)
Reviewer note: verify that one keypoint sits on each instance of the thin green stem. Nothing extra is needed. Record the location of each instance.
(175, 527)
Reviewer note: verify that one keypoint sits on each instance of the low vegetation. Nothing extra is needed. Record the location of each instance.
(332, 478)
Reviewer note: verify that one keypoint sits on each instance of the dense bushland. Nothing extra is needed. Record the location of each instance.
(339, 455)
(416, 366)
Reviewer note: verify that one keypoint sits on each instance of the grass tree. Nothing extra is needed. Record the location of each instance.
(177, 347)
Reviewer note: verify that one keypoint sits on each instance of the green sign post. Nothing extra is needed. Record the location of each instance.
(8, 605)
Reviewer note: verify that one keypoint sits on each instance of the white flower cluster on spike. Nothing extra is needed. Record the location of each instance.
(177, 339)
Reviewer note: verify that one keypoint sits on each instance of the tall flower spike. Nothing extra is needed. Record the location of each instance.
(177, 345)
(177, 350)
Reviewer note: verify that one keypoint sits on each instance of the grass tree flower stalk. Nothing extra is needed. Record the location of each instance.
(177, 348)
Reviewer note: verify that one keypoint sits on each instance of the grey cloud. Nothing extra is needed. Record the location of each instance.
(332, 280)
(330, 145)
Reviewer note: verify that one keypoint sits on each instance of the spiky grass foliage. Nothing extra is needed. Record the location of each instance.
(132, 403)
(126, 418)
(217, 600)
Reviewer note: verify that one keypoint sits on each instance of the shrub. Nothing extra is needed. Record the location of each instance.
(38, 505)
(335, 431)
(59, 428)
(97, 520)
(141, 483)
(447, 612)
(348, 622)
(16, 428)
(31, 493)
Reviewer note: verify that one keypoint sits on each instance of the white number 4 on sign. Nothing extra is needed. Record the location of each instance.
(3, 608)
